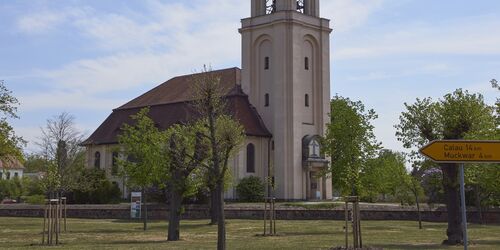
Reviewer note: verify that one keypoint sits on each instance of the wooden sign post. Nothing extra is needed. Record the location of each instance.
(462, 151)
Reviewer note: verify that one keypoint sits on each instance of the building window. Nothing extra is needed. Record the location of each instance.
(266, 62)
(306, 63)
(16, 175)
(270, 6)
(300, 6)
(97, 160)
(306, 100)
(1, 175)
(250, 158)
(266, 100)
(7, 175)
(114, 163)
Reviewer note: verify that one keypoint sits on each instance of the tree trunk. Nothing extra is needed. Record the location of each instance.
(145, 212)
(174, 214)
(418, 210)
(213, 206)
(221, 227)
(451, 189)
(477, 200)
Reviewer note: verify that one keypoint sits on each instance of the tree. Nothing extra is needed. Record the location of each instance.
(384, 175)
(350, 142)
(60, 149)
(186, 153)
(142, 143)
(10, 144)
(225, 136)
(456, 116)
(34, 163)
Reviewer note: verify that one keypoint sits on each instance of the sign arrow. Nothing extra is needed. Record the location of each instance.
(462, 151)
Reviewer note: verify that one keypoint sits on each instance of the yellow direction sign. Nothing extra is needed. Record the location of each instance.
(462, 151)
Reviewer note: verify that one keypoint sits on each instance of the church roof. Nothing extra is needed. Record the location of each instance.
(170, 103)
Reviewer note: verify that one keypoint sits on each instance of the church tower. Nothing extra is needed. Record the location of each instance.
(286, 74)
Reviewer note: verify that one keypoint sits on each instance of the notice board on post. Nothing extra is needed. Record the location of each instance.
(135, 205)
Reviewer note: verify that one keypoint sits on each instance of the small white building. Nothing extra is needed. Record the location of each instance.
(10, 169)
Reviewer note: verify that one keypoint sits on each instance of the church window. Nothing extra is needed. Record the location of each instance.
(266, 100)
(97, 160)
(266, 62)
(306, 63)
(307, 100)
(114, 164)
(250, 158)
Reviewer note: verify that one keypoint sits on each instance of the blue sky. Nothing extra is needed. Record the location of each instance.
(88, 57)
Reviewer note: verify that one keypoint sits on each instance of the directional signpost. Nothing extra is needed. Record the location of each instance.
(462, 151)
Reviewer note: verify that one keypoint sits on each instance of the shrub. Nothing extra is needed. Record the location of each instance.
(34, 199)
(95, 189)
(250, 189)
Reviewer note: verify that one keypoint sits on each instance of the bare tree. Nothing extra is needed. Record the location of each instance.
(59, 145)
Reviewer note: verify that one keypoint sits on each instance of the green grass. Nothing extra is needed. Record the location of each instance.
(24, 233)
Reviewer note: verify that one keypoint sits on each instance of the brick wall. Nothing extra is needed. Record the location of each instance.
(252, 212)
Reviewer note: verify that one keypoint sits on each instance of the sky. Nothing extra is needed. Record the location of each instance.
(86, 57)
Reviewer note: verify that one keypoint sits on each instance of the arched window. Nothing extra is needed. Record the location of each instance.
(97, 160)
(250, 158)
(306, 99)
(266, 100)
(306, 63)
(114, 164)
(266, 62)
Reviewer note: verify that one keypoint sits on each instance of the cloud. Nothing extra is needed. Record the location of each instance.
(48, 20)
(141, 53)
(467, 36)
(347, 14)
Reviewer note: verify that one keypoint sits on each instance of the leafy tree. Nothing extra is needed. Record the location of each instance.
(61, 151)
(10, 144)
(350, 142)
(186, 152)
(35, 163)
(456, 116)
(384, 175)
(225, 135)
(142, 142)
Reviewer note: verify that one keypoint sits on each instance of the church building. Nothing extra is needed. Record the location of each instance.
(280, 95)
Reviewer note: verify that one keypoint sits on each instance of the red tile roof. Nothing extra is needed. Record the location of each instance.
(11, 163)
(170, 103)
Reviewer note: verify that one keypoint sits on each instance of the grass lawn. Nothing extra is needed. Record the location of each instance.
(24, 233)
